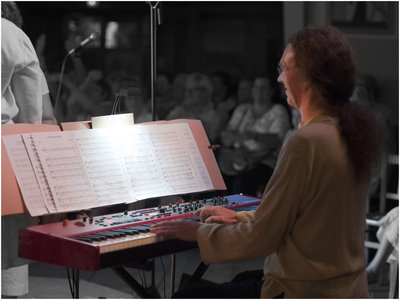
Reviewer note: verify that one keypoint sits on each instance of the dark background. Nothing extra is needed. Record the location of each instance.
(241, 38)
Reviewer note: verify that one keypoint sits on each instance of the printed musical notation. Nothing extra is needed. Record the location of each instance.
(57, 157)
(73, 170)
(29, 186)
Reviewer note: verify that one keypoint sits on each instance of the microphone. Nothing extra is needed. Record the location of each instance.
(82, 44)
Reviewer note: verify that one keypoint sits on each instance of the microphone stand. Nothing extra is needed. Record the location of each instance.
(56, 102)
(154, 12)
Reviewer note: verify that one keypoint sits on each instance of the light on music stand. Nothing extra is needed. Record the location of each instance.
(111, 121)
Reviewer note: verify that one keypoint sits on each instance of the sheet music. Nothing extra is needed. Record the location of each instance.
(163, 160)
(23, 170)
(104, 167)
(90, 168)
(58, 157)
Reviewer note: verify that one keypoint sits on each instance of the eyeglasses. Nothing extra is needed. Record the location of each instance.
(281, 69)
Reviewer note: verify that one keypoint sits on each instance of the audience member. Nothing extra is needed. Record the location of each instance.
(252, 139)
(198, 105)
(163, 96)
(178, 89)
(388, 236)
(87, 99)
(366, 94)
(243, 93)
(132, 96)
(223, 101)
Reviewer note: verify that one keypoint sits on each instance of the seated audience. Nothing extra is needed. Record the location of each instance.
(163, 96)
(243, 93)
(85, 100)
(388, 236)
(198, 105)
(178, 89)
(252, 139)
(223, 101)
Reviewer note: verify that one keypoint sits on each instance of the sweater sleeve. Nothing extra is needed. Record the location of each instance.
(245, 216)
(272, 220)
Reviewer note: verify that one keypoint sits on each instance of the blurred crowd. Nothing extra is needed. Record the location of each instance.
(249, 119)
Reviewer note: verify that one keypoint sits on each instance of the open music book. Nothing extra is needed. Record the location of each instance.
(61, 171)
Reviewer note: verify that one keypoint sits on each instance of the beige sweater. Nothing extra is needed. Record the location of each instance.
(309, 226)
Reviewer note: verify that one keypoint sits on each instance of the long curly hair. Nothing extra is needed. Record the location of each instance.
(327, 60)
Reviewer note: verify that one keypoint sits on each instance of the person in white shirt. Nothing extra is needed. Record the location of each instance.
(24, 99)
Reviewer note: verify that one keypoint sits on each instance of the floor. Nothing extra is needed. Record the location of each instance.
(50, 282)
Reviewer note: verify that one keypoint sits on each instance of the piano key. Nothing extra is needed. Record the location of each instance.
(101, 237)
(91, 237)
(117, 232)
(127, 231)
(141, 228)
(108, 234)
(128, 241)
(88, 240)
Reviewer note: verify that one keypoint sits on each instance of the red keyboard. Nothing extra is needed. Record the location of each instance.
(110, 240)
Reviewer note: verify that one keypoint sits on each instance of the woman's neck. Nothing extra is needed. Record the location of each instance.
(311, 106)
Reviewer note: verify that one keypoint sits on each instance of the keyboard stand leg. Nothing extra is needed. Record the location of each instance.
(75, 282)
(196, 276)
(172, 274)
(131, 282)
(199, 272)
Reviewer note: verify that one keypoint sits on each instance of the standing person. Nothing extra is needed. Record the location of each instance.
(310, 223)
(20, 74)
(24, 99)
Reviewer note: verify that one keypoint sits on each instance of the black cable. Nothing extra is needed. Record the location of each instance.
(116, 104)
(162, 264)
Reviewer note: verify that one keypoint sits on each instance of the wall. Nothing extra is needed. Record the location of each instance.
(377, 54)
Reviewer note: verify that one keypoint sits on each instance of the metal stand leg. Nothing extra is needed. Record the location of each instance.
(199, 272)
(131, 282)
(75, 282)
(172, 274)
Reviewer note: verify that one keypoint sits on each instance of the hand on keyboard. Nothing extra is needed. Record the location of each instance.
(183, 230)
(217, 214)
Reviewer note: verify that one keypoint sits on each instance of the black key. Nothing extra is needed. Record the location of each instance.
(79, 238)
(107, 234)
(141, 228)
(91, 237)
(127, 231)
(100, 237)
(118, 233)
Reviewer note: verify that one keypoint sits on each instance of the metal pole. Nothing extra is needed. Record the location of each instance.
(153, 62)
(76, 283)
